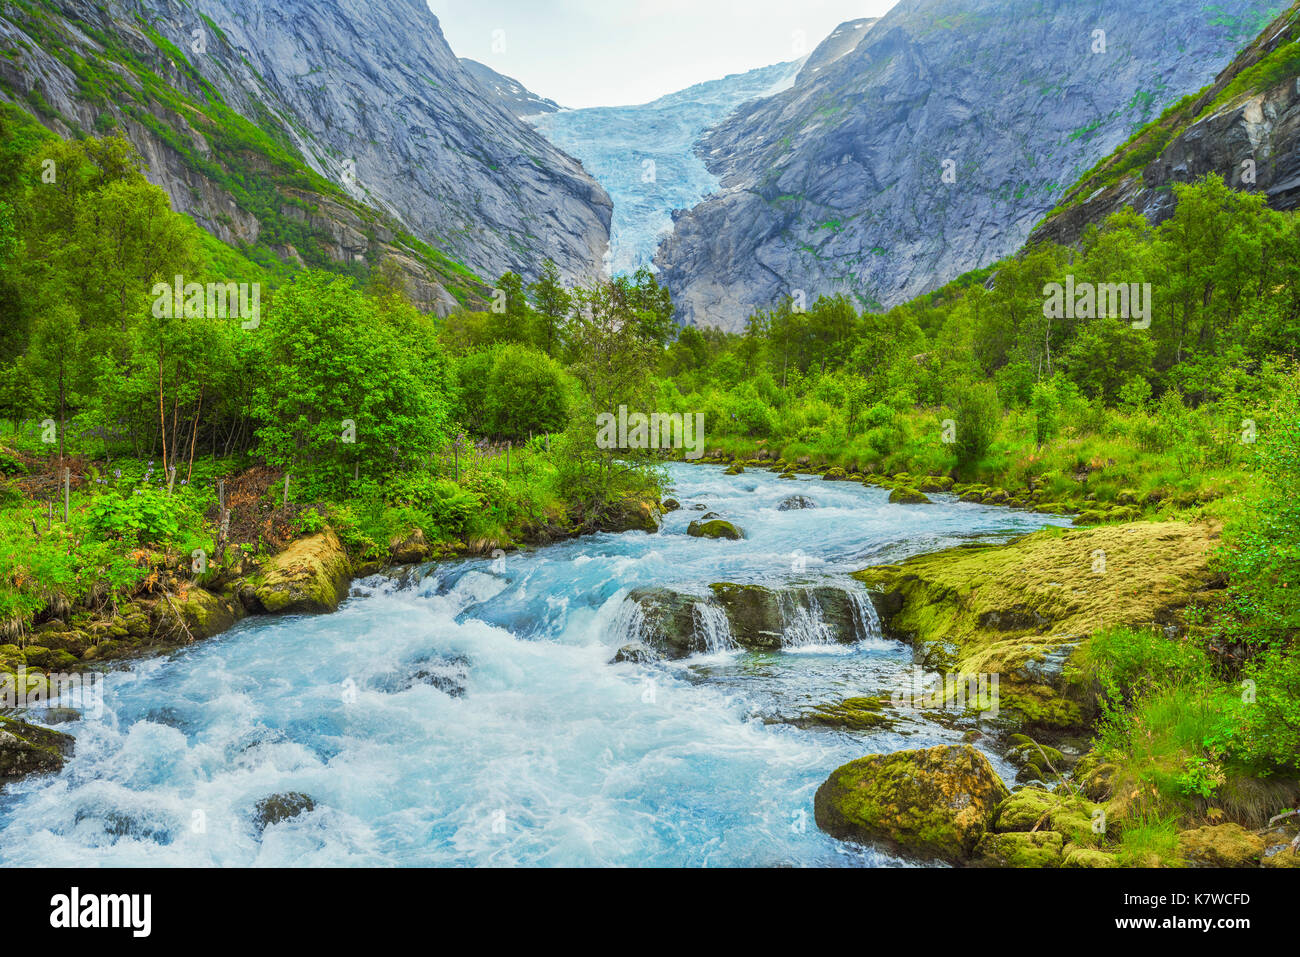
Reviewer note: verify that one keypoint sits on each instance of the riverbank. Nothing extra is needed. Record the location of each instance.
(1047, 617)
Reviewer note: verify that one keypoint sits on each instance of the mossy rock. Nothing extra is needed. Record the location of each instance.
(671, 505)
(1036, 762)
(1076, 856)
(717, 528)
(835, 475)
(1026, 809)
(851, 714)
(935, 803)
(281, 807)
(736, 469)
(1020, 849)
(409, 549)
(1022, 610)
(27, 749)
(205, 614)
(788, 476)
(1221, 845)
(997, 496)
(934, 483)
(1284, 857)
(908, 496)
(311, 575)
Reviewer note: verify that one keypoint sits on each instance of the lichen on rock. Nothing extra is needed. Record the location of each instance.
(936, 803)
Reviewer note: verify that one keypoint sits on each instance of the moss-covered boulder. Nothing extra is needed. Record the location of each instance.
(935, 803)
(736, 469)
(281, 807)
(908, 496)
(759, 617)
(671, 505)
(1027, 809)
(311, 575)
(1036, 762)
(716, 528)
(1221, 845)
(667, 621)
(836, 474)
(204, 614)
(409, 549)
(1022, 610)
(851, 714)
(1077, 856)
(27, 749)
(1020, 849)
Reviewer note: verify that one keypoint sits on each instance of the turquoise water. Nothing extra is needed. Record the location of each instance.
(468, 714)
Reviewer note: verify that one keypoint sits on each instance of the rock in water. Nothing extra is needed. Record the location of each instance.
(27, 749)
(636, 653)
(282, 807)
(795, 502)
(717, 528)
(936, 803)
(908, 496)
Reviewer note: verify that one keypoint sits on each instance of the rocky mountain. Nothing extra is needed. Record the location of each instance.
(646, 155)
(1245, 126)
(934, 146)
(508, 91)
(334, 131)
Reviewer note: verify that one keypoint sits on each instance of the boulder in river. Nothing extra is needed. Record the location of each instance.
(715, 528)
(936, 803)
(281, 807)
(908, 496)
(796, 502)
(28, 749)
(736, 469)
(311, 575)
(636, 652)
(671, 505)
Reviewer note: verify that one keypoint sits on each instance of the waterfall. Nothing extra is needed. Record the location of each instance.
(712, 627)
(865, 616)
(802, 621)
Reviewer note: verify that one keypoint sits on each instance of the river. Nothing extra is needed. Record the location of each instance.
(468, 713)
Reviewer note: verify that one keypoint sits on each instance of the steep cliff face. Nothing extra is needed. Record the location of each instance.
(646, 155)
(933, 147)
(1245, 127)
(351, 118)
(508, 91)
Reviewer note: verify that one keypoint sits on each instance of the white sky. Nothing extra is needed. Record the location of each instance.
(621, 52)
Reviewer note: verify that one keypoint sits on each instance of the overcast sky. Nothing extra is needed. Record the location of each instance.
(621, 52)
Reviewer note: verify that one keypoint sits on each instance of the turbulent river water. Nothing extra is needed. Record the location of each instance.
(468, 713)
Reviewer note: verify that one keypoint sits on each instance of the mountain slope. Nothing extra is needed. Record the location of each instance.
(508, 91)
(338, 124)
(836, 185)
(646, 155)
(1244, 126)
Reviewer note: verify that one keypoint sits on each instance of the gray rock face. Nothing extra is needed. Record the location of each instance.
(1259, 125)
(678, 624)
(508, 91)
(369, 94)
(837, 184)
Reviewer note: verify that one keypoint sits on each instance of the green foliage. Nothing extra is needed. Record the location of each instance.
(347, 386)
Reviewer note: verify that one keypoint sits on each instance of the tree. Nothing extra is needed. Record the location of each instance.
(553, 305)
(346, 385)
